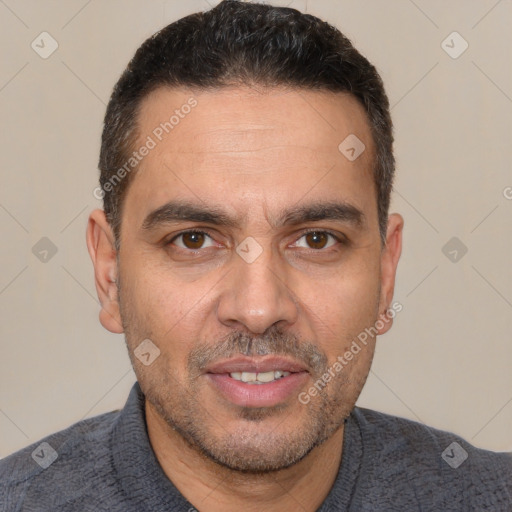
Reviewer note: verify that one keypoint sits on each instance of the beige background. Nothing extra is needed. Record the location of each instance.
(447, 360)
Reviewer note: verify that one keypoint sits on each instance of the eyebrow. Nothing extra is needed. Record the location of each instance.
(337, 211)
(176, 211)
(181, 211)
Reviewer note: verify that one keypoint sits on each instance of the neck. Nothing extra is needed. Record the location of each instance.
(209, 486)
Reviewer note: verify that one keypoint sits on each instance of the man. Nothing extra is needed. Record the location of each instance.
(246, 252)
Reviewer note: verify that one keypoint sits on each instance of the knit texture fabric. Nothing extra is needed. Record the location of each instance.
(106, 463)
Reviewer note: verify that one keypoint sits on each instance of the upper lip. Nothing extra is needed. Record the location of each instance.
(255, 365)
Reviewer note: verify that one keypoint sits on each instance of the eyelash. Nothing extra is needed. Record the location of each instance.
(187, 232)
(340, 239)
(336, 237)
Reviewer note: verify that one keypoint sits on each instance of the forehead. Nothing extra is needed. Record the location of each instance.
(232, 118)
(242, 146)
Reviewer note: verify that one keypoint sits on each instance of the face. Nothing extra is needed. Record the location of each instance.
(250, 251)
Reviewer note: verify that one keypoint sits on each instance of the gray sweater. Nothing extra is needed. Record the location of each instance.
(106, 463)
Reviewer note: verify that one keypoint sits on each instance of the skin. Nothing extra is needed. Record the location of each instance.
(253, 154)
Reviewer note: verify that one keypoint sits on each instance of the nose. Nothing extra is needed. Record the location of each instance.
(255, 296)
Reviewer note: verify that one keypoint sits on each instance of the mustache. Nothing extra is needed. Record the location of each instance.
(273, 341)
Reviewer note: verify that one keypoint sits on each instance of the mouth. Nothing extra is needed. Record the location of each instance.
(257, 382)
(259, 378)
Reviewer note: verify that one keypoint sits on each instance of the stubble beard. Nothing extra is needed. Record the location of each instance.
(247, 449)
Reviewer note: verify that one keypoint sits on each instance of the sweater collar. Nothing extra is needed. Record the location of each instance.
(146, 485)
(140, 474)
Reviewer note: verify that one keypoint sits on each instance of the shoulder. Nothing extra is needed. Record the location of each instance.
(395, 433)
(63, 462)
(433, 465)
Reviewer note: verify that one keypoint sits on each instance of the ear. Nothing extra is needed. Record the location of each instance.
(389, 261)
(100, 243)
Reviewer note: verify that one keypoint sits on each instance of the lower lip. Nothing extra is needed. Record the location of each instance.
(267, 394)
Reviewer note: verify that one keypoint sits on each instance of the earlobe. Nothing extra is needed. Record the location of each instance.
(100, 243)
(389, 262)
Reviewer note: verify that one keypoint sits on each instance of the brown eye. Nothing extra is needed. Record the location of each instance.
(193, 240)
(317, 240)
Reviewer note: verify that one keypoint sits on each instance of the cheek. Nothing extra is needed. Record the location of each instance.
(163, 306)
(350, 288)
(342, 306)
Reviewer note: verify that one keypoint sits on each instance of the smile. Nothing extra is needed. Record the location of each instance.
(259, 378)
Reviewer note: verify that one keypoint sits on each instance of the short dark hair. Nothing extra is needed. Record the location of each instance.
(239, 43)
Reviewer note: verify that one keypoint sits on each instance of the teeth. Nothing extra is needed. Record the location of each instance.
(258, 378)
(265, 377)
